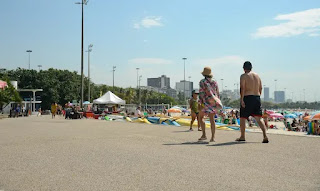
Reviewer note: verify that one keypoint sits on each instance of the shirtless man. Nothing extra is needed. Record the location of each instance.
(250, 91)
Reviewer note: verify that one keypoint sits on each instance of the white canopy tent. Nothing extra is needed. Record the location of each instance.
(110, 99)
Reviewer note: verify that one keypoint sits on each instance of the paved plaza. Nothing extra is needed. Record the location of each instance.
(40, 153)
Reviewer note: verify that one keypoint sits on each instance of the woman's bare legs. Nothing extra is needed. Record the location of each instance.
(203, 126)
(213, 126)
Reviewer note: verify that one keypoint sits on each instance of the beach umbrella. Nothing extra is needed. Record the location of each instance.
(276, 115)
(298, 113)
(174, 110)
(269, 112)
(290, 116)
(188, 111)
(177, 107)
(3, 84)
(315, 117)
(307, 117)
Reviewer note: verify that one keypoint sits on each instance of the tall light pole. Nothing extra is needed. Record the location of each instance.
(39, 66)
(190, 90)
(84, 2)
(140, 80)
(89, 50)
(222, 85)
(113, 70)
(139, 89)
(137, 77)
(184, 78)
(29, 51)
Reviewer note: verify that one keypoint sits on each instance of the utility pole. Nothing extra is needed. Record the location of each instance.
(137, 77)
(39, 66)
(139, 89)
(29, 51)
(222, 85)
(84, 2)
(89, 91)
(113, 70)
(184, 78)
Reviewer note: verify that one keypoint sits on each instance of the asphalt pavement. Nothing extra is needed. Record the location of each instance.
(40, 153)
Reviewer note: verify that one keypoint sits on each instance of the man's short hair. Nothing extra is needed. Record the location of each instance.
(247, 65)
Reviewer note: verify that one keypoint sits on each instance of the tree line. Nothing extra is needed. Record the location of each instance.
(63, 86)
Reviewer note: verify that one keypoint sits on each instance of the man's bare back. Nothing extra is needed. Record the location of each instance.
(251, 83)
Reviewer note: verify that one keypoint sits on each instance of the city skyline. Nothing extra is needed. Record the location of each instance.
(155, 38)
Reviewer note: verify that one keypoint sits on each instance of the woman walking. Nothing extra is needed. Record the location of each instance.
(209, 101)
(194, 106)
(53, 109)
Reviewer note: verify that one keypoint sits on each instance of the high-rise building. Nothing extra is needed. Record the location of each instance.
(188, 85)
(279, 97)
(160, 82)
(266, 94)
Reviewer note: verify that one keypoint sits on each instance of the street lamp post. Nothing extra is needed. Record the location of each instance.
(84, 2)
(139, 89)
(39, 66)
(138, 82)
(184, 78)
(222, 85)
(137, 77)
(113, 70)
(89, 50)
(29, 51)
(190, 90)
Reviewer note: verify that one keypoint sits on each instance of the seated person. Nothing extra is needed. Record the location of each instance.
(294, 123)
(138, 112)
(316, 128)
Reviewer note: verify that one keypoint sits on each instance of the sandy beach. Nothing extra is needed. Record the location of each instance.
(40, 153)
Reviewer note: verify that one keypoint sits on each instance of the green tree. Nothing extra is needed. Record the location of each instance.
(9, 94)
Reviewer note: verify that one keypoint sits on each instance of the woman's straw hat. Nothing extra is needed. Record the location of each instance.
(207, 71)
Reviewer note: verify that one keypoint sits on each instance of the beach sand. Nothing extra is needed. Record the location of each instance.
(40, 153)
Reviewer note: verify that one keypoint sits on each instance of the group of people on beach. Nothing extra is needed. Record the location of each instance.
(206, 102)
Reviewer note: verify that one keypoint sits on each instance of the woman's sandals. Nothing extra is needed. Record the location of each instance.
(265, 140)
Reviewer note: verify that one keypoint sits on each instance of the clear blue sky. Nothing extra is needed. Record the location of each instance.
(280, 37)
